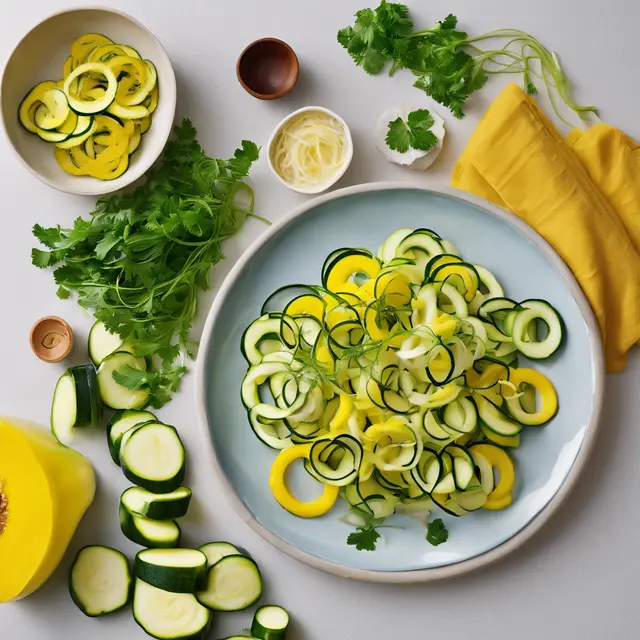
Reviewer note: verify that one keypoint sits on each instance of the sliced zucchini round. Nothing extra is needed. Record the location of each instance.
(164, 506)
(217, 550)
(102, 342)
(234, 583)
(152, 456)
(270, 623)
(90, 107)
(154, 534)
(175, 570)
(120, 423)
(115, 395)
(76, 402)
(170, 616)
(100, 581)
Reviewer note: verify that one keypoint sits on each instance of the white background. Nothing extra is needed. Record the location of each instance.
(576, 579)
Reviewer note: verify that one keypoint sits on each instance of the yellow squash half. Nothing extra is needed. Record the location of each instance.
(45, 490)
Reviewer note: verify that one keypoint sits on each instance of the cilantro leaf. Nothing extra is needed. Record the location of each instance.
(41, 259)
(63, 293)
(159, 383)
(415, 132)
(48, 237)
(437, 532)
(364, 538)
(140, 258)
(450, 22)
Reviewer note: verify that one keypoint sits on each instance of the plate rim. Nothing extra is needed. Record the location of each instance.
(464, 566)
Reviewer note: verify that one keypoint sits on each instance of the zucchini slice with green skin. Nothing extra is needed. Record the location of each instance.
(175, 570)
(532, 311)
(114, 395)
(270, 623)
(234, 583)
(152, 456)
(51, 136)
(170, 616)
(91, 107)
(120, 423)
(154, 534)
(29, 104)
(495, 419)
(76, 140)
(215, 551)
(100, 581)
(163, 506)
(102, 343)
(76, 402)
(53, 111)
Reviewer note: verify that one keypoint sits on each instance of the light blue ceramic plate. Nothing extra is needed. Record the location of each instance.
(293, 251)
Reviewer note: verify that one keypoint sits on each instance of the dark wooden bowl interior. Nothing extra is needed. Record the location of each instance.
(268, 68)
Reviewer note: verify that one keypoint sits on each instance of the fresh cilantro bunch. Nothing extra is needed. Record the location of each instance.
(449, 64)
(414, 132)
(140, 259)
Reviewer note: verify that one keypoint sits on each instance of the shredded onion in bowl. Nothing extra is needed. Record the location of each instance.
(309, 149)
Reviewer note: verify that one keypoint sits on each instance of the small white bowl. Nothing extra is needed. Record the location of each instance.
(40, 56)
(348, 152)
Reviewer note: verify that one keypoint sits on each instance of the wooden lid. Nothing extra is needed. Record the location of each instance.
(51, 339)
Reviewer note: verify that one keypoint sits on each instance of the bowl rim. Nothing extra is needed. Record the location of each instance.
(458, 568)
(133, 175)
(345, 164)
(275, 94)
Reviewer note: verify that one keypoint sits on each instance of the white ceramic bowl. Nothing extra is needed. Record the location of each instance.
(40, 56)
(348, 152)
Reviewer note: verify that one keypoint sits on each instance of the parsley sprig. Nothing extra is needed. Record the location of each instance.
(437, 532)
(449, 64)
(141, 257)
(414, 132)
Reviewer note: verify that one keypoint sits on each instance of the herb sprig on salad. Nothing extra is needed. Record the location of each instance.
(449, 63)
(141, 258)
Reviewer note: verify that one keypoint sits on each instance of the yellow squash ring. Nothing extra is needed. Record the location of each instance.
(285, 498)
(545, 390)
(496, 457)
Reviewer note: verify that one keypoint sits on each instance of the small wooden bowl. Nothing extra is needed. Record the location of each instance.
(268, 69)
(51, 339)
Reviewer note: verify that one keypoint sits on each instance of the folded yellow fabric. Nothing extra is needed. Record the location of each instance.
(580, 195)
(612, 160)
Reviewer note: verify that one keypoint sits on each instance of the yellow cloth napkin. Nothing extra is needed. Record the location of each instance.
(582, 195)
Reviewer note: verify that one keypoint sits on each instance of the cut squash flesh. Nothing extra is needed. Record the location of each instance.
(46, 490)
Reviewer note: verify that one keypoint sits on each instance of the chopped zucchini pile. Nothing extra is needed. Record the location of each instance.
(395, 379)
(95, 116)
(174, 590)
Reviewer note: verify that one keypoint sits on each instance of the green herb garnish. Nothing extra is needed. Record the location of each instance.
(449, 64)
(141, 257)
(414, 132)
(437, 532)
(364, 538)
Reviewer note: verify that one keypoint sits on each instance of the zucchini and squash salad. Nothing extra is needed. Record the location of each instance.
(95, 116)
(397, 380)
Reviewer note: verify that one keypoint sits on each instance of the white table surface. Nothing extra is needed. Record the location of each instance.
(577, 578)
